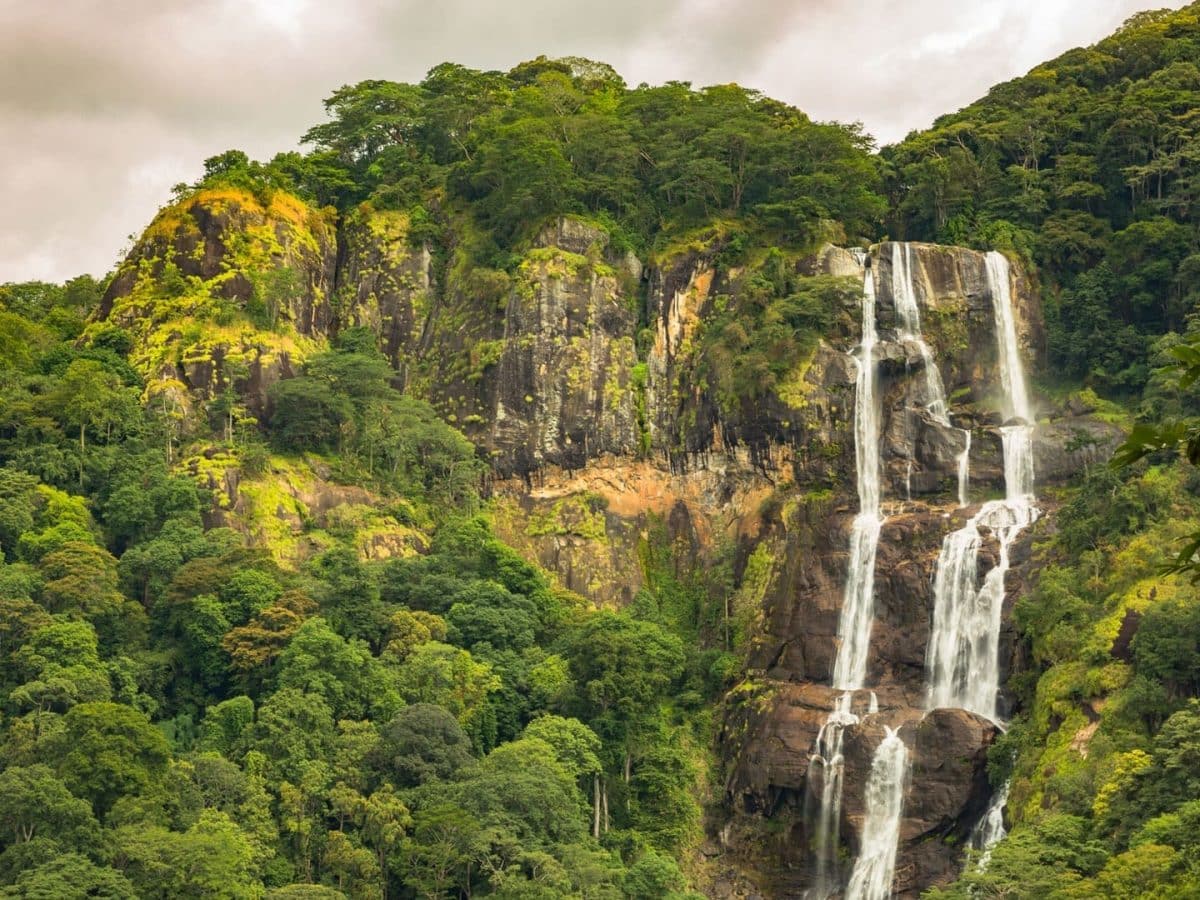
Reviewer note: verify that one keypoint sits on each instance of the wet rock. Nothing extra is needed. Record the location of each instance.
(1064, 449)
(898, 359)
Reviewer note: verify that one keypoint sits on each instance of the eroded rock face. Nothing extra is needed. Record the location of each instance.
(783, 478)
(947, 789)
(775, 715)
(576, 374)
(565, 379)
(788, 475)
(387, 281)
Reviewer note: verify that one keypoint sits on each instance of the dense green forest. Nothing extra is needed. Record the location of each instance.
(187, 714)
(185, 717)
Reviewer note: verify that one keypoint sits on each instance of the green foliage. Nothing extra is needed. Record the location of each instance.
(70, 876)
(768, 328)
(1171, 436)
(1108, 743)
(423, 742)
(351, 681)
(550, 137)
(107, 750)
(186, 717)
(1080, 167)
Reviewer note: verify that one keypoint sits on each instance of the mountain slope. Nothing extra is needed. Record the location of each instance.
(261, 492)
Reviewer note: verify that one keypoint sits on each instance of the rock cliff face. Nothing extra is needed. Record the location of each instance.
(386, 282)
(581, 373)
(225, 287)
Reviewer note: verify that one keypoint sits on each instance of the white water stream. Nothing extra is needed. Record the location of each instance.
(875, 867)
(858, 603)
(989, 830)
(963, 658)
(908, 330)
(964, 644)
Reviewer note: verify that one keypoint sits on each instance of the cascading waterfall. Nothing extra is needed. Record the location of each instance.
(829, 757)
(964, 469)
(989, 830)
(1012, 372)
(964, 645)
(858, 602)
(908, 327)
(875, 867)
(963, 654)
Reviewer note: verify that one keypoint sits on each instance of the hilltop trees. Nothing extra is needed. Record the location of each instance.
(1083, 167)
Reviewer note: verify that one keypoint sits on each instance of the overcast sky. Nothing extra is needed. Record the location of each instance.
(105, 104)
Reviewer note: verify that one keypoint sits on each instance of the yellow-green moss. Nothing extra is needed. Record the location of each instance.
(794, 388)
(696, 240)
(210, 469)
(177, 319)
(272, 512)
(580, 515)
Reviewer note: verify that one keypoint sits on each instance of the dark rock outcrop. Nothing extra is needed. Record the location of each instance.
(387, 282)
(225, 288)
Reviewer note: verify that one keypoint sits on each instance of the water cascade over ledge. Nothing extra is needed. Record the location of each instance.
(858, 602)
(908, 330)
(963, 667)
(963, 658)
(989, 830)
(875, 867)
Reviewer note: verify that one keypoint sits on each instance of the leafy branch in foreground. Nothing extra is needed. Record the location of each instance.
(1182, 434)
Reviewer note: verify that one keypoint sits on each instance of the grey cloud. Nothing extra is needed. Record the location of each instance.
(104, 104)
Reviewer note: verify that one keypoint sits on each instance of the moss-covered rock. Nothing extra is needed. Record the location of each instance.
(225, 286)
(384, 282)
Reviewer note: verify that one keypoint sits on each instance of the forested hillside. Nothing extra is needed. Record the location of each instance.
(417, 515)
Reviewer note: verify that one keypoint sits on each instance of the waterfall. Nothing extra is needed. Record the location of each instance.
(1012, 372)
(989, 830)
(875, 867)
(858, 602)
(908, 329)
(964, 643)
(964, 469)
(964, 669)
(829, 756)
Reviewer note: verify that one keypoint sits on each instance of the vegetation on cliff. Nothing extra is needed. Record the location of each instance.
(185, 715)
(258, 636)
(1086, 168)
